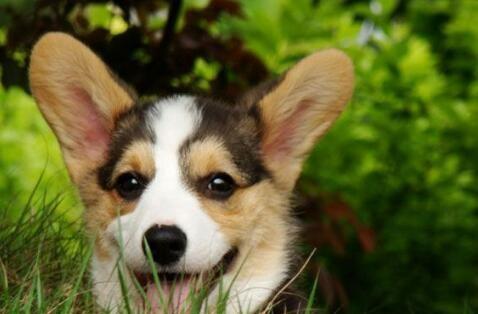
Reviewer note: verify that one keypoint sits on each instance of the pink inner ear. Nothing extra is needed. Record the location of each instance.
(286, 134)
(89, 131)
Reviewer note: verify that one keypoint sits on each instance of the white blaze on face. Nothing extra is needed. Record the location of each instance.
(167, 199)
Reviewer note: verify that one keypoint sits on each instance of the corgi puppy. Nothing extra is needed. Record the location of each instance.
(186, 195)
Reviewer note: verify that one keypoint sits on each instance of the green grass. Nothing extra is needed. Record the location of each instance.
(44, 263)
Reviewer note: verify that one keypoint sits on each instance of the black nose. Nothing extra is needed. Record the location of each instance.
(167, 244)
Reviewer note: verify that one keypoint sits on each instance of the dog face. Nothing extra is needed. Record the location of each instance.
(198, 186)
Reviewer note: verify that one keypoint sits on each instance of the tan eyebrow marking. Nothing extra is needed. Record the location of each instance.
(137, 157)
(210, 155)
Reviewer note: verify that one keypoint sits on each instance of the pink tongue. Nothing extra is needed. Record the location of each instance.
(173, 294)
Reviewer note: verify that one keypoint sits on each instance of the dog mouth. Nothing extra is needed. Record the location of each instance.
(168, 292)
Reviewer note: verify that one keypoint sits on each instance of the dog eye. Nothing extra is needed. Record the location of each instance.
(220, 185)
(130, 185)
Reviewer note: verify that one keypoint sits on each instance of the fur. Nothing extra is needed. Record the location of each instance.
(176, 144)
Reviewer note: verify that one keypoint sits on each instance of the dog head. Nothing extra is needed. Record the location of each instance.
(188, 182)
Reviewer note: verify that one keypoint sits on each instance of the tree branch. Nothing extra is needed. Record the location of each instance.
(173, 14)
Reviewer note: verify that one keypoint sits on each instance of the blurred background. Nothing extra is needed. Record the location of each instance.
(389, 197)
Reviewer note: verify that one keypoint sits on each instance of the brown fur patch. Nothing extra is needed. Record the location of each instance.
(256, 217)
(103, 206)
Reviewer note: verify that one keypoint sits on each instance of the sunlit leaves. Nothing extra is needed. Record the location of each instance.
(27, 149)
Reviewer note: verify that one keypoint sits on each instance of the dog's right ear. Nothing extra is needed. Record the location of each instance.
(79, 97)
(299, 108)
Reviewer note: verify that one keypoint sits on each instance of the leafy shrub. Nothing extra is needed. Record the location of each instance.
(402, 156)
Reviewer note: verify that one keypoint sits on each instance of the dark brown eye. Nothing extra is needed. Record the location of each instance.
(220, 185)
(130, 185)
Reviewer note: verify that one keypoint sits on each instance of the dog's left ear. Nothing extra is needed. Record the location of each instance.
(79, 97)
(300, 109)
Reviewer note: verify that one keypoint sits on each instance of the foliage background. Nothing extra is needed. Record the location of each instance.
(389, 196)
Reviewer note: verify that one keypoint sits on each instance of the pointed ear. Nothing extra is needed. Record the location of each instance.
(300, 109)
(79, 97)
